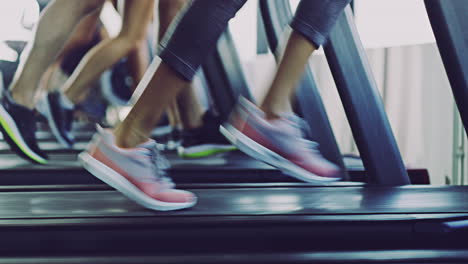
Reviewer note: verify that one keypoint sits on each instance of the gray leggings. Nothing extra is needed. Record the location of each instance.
(198, 29)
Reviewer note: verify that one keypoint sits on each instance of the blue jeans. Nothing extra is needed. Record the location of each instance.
(198, 30)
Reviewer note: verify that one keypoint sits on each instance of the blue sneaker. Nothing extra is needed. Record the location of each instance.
(60, 118)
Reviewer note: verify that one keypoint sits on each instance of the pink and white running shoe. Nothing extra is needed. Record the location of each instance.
(137, 173)
(278, 142)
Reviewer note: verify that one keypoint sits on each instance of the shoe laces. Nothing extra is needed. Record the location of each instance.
(313, 146)
(304, 131)
(160, 166)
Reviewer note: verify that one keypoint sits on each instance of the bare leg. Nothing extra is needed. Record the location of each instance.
(81, 36)
(168, 10)
(49, 39)
(189, 108)
(138, 60)
(173, 116)
(290, 69)
(137, 127)
(144, 116)
(185, 112)
(135, 23)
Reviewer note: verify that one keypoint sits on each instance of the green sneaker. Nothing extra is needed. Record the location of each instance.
(204, 141)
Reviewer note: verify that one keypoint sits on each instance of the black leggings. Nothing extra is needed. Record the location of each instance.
(200, 26)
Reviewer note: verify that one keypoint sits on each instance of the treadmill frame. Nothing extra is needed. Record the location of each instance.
(449, 20)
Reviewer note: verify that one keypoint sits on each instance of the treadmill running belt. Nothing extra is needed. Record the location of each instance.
(269, 220)
(334, 257)
(244, 202)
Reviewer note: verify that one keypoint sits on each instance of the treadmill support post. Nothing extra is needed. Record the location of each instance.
(363, 104)
(449, 20)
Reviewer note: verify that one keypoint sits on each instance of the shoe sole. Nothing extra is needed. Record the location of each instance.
(46, 110)
(117, 181)
(13, 137)
(257, 151)
(204, 151)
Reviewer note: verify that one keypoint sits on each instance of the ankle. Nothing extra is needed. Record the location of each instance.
(276, 110)
(22, 100)
(269, 113)
(129, 136)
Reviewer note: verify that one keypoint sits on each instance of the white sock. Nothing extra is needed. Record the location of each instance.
(65, 102)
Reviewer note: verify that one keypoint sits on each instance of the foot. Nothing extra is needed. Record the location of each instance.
(278, 142)
(204, 141)
(59, 117)
(138, 173)
(18, 125)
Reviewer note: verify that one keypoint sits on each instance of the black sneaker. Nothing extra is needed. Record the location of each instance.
(18, 125)
(118, 86)
(174, 139)
(59, 118)
(204, 141)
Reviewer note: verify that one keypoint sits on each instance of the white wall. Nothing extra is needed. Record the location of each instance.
(391, 23)
(416, 91)
(10, 19)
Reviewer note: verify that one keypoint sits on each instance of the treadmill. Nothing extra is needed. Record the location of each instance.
(236, 221)
(328, 257)
(451, 32)
(221, 70)
(385, 223)
(225, 82)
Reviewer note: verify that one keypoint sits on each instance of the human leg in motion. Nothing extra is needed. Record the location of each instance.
(196, 129)
(310, 30)
(49, 40)
(81, 40)
(137, 16)
(167, 12)
(138, 60)
(275, 135)
(192, 41)
(52, 105)
(113, 155)
(17, 121)
(138, 171)
(61, 104)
